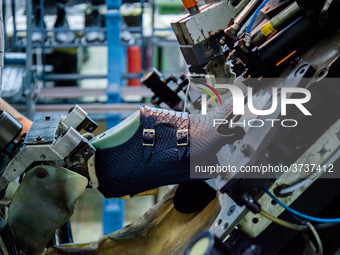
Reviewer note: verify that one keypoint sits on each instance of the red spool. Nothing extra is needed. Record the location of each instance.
(134, 62)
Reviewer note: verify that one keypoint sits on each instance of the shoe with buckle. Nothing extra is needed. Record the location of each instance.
(153, 148)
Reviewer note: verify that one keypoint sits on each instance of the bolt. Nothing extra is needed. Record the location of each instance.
(323, 151)
(38, 139)
(297, 59)
(41, 173)
(246, 149)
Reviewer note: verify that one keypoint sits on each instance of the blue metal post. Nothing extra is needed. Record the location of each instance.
(113, 209)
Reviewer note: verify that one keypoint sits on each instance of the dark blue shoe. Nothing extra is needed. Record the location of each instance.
(159, 152)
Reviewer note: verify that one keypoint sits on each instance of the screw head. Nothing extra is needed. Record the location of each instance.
(297, 59)
(39, 139)
(41, 173)
(246, 149)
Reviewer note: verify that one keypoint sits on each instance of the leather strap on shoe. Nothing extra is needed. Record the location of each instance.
(152, 117)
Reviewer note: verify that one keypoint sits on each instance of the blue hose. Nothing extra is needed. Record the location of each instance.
(304, 216)
(255, 14)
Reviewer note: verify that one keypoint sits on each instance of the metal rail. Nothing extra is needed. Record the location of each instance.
(63, 93)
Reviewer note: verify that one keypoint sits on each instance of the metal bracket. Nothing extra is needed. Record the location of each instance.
(229, 216)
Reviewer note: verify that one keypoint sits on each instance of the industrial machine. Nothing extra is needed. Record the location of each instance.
(277, 63)
(266, 45)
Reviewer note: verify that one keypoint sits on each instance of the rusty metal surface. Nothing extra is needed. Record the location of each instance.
(212, 19)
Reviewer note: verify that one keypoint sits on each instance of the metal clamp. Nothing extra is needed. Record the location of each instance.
(148, 132)
(58, 150)
(183, 132)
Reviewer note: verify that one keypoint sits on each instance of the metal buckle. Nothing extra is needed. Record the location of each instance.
(183, 131)
(149, 131)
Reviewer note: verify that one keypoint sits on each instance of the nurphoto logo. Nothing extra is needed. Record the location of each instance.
(280, 99)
